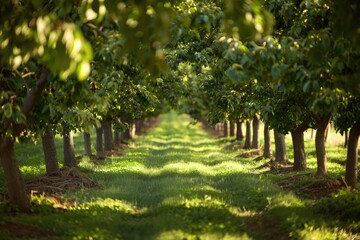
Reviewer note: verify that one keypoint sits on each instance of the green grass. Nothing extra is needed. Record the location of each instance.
(177, 182)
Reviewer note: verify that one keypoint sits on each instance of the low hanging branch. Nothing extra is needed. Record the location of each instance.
(30, 100)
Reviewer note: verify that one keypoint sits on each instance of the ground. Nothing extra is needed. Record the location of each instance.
(176, 182)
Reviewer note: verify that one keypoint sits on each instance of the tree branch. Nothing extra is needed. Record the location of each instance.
(101, 33)
(35, 93)
(29, 102)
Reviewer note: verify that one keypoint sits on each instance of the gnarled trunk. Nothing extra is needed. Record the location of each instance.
(280, 147)
(99, 142)
(267, 144)
(14, 181)
(87, 144)
(297, 136)
(239, 132)
(232, 128)
(50, 156)
(225, 129)
(247, 143)
(351, 171)
(106, 124)
(255, 139)
(69, 152)
(322, 124)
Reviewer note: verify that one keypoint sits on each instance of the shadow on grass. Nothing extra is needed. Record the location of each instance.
(178, 184)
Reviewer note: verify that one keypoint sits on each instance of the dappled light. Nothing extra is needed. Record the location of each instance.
(179, 182)
(187, 119)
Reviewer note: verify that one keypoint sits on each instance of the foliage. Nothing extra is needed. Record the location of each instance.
(343, 205)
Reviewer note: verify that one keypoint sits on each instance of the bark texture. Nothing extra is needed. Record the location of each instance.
(280, 147)
(69, 152)
(99, 142)
(299, 149)
(232, 128)
(351, 172)
(239, 132)
(106, 124)
(267, 143)
(322, 124)
(247, 143)
(226, 129)
(50, 156)
(346, 139)
(116, 137)
(87, 144)
(14, 181)
(255, 127)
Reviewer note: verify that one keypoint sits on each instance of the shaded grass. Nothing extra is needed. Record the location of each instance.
(179, 183)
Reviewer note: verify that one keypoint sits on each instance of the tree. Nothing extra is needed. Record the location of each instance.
(48, 142)
(348, 117)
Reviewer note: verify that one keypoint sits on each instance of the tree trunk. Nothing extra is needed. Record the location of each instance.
(69, 152)
(321, 127)
(280, 147)
(247, 143)
(50, 156)
(255, 139)
(297, 136)
(327, 133)
(111, 135)
(99, 142)
(225, 129)
(312, 134)
(127, 134)
(132, 128)
(346, 139)
(239, 132)
(138, 126)
(14, 181)
(106, 124)
(232, 129)
(267, 143)
(351, 171)
(87, 144)
(116, 137)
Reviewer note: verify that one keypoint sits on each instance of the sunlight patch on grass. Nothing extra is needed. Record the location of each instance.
(310, 233)
(284, 200)
(180, 234)
(111, 204)
(186, 168)
(179, 183)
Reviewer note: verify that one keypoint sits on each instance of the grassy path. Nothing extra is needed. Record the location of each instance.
(177, 183)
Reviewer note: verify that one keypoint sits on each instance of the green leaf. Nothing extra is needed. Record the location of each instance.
(8, 110)
(83, 70)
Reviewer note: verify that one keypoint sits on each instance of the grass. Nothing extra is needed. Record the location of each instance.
(178, 182)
